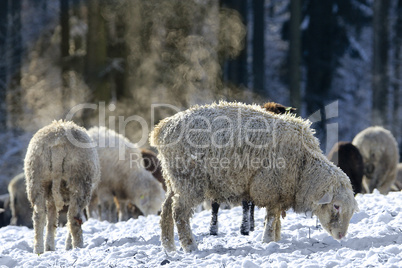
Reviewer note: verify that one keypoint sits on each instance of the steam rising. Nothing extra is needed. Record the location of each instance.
(176, 49)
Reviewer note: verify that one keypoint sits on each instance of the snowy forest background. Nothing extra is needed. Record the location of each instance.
(339, 62)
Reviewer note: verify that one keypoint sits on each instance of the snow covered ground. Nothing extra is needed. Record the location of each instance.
(374, 240)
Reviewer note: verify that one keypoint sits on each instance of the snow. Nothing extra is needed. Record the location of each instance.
(374, 240)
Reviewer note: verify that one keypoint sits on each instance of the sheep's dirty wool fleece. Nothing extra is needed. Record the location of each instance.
(61, 169)
(228, 152)
(123, 175)
(222, 142)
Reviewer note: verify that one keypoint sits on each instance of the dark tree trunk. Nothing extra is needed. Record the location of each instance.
(76, 7)
(96, 52)
(380, 80)
(43, 7)
(258, 47)
(14, 96)
(320, 59)
(64, 48)
(3, 64)
(235, 71)
(118, 52)
(65, 30)
(397, 81)
(295, 54)
(96, 56)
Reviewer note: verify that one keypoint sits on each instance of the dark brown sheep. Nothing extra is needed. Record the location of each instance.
(277, 108)
(346, 156)
(152, 164)
(5, 212)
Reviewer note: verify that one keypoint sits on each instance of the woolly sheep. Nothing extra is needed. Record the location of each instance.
(123, 177)
(152, 164)
(380, 154)
(21, 210)
(247, 223)
(20, 206)
(61, 168)
(230, 152)
(346, 156)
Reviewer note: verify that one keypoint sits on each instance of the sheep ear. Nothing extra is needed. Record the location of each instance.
(325, 199)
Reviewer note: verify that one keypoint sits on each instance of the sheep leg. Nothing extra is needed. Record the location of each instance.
(105, 208)
(277, 229)
(386, 184)
(272, 227)
(123, 212)
(38, 219)
(182, 211)
(213, 227)
(166, 223)
(245, 223)
(74, 223)
(114, 217)
(52, 221)
(251, 204)
(68, 241)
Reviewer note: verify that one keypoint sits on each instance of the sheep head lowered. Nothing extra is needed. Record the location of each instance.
(293, 172)
(335, 211)
(152, 194)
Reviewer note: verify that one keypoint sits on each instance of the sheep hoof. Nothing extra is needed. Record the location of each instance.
(38, 251)
(50, 248)
(190, 248)
(213, 230)
(244, 232)
(267, 238)
(169, 248)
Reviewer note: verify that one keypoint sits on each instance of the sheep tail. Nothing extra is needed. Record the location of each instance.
(58, 156)
(154, 136)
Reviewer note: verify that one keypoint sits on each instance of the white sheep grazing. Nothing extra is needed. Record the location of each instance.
(21, 210)
(379, 150)
(124, 177)
(230, 152)
(61, 168)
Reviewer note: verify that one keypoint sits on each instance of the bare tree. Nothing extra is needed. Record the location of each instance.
(3, 64)
(397, 65)
(64, 46)
(295, 53)
(380, 79)
(235, 70)
(96, 52)
(258, 47)
(14, 95)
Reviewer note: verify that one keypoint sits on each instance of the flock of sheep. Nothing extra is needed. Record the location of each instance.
(221, 153)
